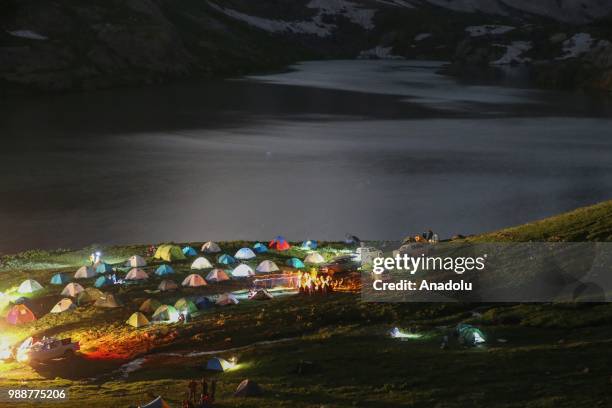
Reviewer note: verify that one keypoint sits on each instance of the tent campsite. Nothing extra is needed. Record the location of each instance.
(267, 266)
(242, 271)
(149, 306)
(248, 388)
(194, 280)
(136, 261)
(136, 274)
(107, 300)
(103, 281)
(244, 254)
(167, 284)
(218, 364)
(211, 248)
(20, 314)
(227, 299)
(295, 263)
(201, 263)
(279, 243)
(314, 258)
(29, 286)
(137, 319)
(225, 259)
(217, 275)
(185, 305)
(59, 279)
(85, 272)
(261, 294)
(72, 289)
(169, 253)
(260, 248)
(156, 403)
(103, 267)
(165, 313)
(310, 244)
(89, 295)
(164, 270)
(63, 306)
(189, 251)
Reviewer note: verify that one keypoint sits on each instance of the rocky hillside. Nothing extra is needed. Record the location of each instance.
(67, 44)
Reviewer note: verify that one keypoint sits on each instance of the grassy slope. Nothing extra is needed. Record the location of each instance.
(555, 355)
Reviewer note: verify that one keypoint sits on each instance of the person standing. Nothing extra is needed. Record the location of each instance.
(204, 385)
(193, 387)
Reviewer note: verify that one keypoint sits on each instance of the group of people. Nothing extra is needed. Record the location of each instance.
(312, 283)
(428, 236)
(206, 397)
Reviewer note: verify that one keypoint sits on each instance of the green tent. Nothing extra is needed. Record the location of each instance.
(470, 335)
(165, 313)
(185, 305)
(169, 253)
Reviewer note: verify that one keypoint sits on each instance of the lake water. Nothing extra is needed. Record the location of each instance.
(380, 149)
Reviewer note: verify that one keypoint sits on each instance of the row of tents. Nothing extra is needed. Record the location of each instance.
(246, 388)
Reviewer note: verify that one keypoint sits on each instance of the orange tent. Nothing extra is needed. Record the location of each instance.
(20, 314)
(279, 243)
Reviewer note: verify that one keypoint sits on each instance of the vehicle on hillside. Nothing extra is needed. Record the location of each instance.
(48, 348)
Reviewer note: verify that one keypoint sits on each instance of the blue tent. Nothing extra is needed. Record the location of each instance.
(218, 364)
(202, 302)
(189, 251)
(260, 248)
(103, 281)
(103, 267)
(226, 259)
(164, 270)
(295, 263)
(310, 244)
(60, 279)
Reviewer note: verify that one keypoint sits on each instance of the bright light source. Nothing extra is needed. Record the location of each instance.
(398, 334)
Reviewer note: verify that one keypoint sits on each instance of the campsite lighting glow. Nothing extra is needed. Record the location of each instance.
(398, 334)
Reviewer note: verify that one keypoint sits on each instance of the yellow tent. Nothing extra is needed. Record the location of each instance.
(169, 253)
(137, 320)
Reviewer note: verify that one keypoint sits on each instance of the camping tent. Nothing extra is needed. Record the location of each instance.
(244, 254)
(164, 270)
(279, 243)
(156, 403)
(89, 295)
(261, 294)
(20, 314)
(217, 275)
(167, 284)
(137, 319)
(225, 259)
(103, 281)
(202, 302)
(266, 267)
(201, 263)
(29, 286)
(85, 272)
(470, 335)
(103, 267)
(211, 248)
(107, 300)
(149, 306)
(169, 253)
(60, 279)
(248, 388)
(72, 289)
(314, 258)
(63, 305)
(136, 261)
(227, 299)
(295, 263)
(189, 251)
(260, 248)
(166, 313)
(218, 364)
(185, 305)
(242, 271)
(310, 244)
(136, 274)
(194, 280)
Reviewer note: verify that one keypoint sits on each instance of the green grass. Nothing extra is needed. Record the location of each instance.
(537, 355)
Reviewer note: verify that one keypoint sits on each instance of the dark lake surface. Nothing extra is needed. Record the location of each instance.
(380, 149)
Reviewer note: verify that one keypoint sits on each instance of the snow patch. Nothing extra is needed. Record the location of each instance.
(29, 34)
(513, 53)
(479, 31)
(422, 36)
(396, 3)
(579, 44)
(379, 53)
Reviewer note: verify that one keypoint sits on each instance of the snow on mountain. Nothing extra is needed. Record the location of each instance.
(479, 31)
(29, 34)
(577, 45)
(514, 53)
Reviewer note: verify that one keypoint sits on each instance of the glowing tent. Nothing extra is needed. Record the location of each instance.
(194, 280)
(201, 263)
(470, 335)
(185, 305)
(295, 263)
(169, 253)
(20, 314)
(211, 248)
(310, 244)
(136, 274)
(60, 279)
(189, 251)
(225, 259)
(227, 299)
(242, 271)
(164, 270)
(261, 294)
(72, 289)
(137, 319)
(260, 248)
(248, 388)
(63, 306)
(85, 272)
(218, 364)
(103, 281)
(149, 306)
(29, 286)
(103, 267)
(167, 284)
(165, 313)
(266, 267)
(107, 300)
(244, 254)
(314, 258)
(136, 261)
(156, 403)
(217, 275)
(279, 243)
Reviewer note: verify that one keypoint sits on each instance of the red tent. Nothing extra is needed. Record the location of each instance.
(20, 314)
(279, 243)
